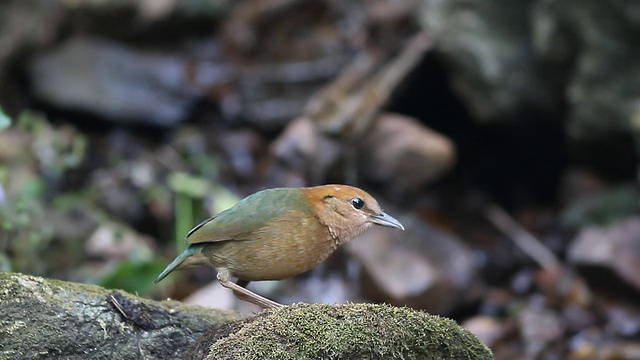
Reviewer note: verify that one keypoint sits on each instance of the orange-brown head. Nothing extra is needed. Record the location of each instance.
(347, 211)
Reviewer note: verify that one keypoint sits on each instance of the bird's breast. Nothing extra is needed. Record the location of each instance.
(289, 245)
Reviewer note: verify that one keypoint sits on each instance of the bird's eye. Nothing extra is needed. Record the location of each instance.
(357, 203)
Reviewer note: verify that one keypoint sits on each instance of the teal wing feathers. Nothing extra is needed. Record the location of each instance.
(249, 215)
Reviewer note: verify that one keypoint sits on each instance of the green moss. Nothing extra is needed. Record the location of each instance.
(352, 331)
(78, 321)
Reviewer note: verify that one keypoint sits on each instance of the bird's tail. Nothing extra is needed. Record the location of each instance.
(188, 252)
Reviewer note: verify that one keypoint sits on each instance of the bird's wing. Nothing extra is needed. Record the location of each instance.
(249, 215)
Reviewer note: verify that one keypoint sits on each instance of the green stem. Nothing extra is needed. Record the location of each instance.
(184, 219)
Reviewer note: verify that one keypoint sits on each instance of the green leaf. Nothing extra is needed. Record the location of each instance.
(5, 120)
(5, 263)
(190, 185)
(223, 199)
(133, 276)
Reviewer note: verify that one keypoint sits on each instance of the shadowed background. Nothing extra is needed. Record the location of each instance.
(502, 134)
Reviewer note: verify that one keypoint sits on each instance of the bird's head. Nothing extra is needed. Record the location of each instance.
(347, 211)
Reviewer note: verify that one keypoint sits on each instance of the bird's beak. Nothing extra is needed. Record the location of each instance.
(386, 220)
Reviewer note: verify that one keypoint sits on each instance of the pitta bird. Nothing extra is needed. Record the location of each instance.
(275, 234)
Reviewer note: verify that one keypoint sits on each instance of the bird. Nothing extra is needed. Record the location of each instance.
(278, 233)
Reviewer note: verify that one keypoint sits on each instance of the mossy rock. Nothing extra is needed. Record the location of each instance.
(351, 331)
(52, 319)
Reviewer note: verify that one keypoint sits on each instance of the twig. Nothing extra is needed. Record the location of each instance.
(348, 105)
(522, 238)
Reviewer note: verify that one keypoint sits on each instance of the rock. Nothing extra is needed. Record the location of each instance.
(605, 347)
(614, 247)
(574, 59)
(593, 343)
(112, 241)
(119, 192)
(539, 327)
(595, 44)
(118, 82)
(481, 42)
(24, 24)
(422, 268)
(599, 41)
(288, 53)
(301, 146)
(86, 321)
(147, 11)
(623, 317)
(398, 151)
(406, 155)
(488, 329)
(352, 331)
(243, 149)
(74, 222)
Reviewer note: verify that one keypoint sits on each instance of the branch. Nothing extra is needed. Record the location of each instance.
(522, 238)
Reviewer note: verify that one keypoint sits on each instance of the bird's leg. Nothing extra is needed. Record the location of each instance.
(238, 294)
(245, 294)
(244, 284)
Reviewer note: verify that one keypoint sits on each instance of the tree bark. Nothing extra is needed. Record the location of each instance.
(44, 318)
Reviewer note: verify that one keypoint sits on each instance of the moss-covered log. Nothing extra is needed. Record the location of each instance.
(352, 331)
(43, 318)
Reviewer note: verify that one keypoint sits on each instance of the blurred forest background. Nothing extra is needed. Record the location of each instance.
(503, 134)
